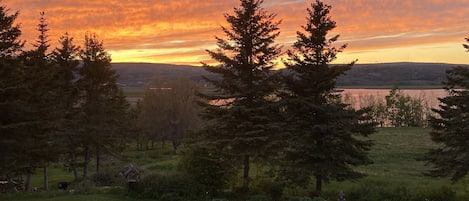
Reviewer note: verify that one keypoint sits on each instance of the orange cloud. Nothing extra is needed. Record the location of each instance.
(180, 31)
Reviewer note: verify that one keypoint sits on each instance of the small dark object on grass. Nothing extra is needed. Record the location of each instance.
(62, 185)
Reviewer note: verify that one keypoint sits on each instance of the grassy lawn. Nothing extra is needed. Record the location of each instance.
(396, 167)
(66, 197)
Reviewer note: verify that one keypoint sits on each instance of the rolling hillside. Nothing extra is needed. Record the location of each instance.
(361, 75)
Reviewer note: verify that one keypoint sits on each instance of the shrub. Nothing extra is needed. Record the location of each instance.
(107, 177)
(210, 168)
(170, 187)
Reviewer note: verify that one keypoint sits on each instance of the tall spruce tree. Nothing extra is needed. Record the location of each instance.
(450, 130)
(13, 95)
(41, 76)
(322, 132)
(65, 60)
(104, 109)
(239, 112)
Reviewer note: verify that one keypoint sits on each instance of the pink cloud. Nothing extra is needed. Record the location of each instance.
(152, 24)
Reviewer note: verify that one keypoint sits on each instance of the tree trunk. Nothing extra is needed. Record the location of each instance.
(86, 161)
(97, 159)
(28, 180)
(73, 165)
(75, 171)
(318, 190)
(46, 177)
(246, 172)
(175, 141)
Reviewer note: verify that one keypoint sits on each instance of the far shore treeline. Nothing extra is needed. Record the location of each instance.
(238, 129)
(381, 76)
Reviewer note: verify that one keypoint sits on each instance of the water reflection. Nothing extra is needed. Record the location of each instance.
(359, 98)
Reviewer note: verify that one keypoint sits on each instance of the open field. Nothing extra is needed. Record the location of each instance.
(397, 166)
(396, 170)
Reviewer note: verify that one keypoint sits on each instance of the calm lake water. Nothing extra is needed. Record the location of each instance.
(363, 97)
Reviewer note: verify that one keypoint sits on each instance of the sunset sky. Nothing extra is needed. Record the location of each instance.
(179, 31)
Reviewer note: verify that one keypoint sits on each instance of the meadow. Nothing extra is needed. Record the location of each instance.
(397, 172)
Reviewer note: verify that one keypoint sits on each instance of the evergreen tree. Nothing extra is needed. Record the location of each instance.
(239, 112)
(65, 60)
(13, 95)
(322, 132)
(41, 76)
(450, 129)
(38, 56)
(104, 109)
(42, 43)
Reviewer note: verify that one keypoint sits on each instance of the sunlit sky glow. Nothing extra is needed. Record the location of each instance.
(179, 31)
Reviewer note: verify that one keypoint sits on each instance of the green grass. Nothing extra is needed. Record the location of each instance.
(395, 155)
(56, 174)
(62, 196)
(396, 152)
(133, 91)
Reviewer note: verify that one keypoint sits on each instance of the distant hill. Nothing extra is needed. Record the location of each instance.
(402, 74)
(361, 75)
(139, 74)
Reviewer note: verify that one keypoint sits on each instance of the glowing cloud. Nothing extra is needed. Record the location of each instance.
(168, 31)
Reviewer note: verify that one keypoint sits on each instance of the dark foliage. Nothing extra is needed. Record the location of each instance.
(103, 113)
(209, 167)
(239, 113)
(324, 136)
(450, 128)
(170, 187)
(13, 93)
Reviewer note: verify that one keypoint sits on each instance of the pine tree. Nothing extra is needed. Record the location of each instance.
(65, 60)
(104, 109)
(240, 124)
(41, 77)
(450, 129)
(13, 95)
(322, 132)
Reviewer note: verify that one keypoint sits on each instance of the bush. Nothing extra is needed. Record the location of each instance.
(170, 187)
(108, 177)
(210, 168)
